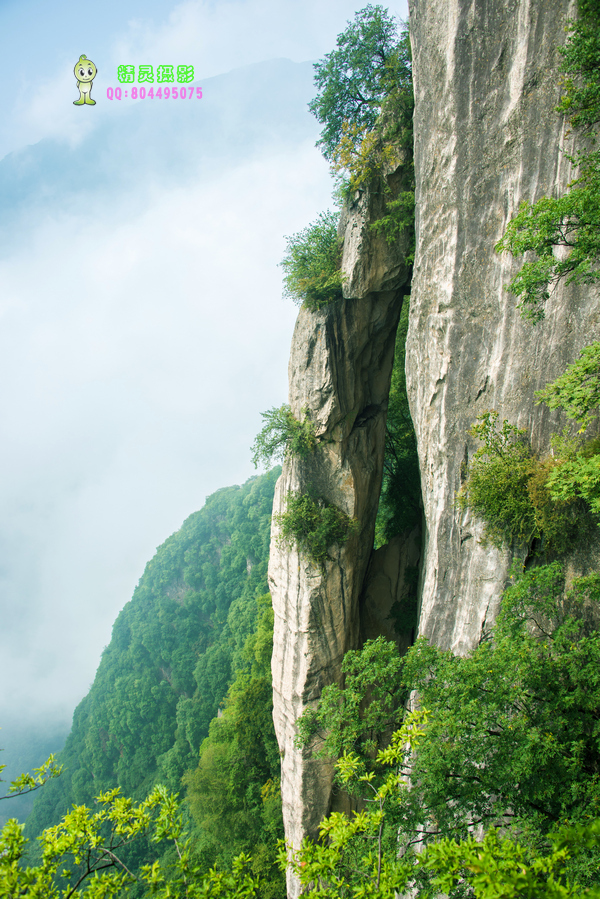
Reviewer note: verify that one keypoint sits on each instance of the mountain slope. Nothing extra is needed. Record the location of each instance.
(173, 652)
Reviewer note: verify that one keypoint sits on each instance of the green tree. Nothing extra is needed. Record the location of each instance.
(371, 61)
(343, 721)
(357, 856)
(511, 738)
(501, 867)
(312, 264)
(282, 435)
(570, 223)
(83, 855)
(577, 391)
(506, 737)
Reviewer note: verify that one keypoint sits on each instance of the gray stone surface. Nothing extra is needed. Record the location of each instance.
(487, 137)
(340, 368)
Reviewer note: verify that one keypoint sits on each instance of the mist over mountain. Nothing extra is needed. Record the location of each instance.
(134, 149)
(143, 332)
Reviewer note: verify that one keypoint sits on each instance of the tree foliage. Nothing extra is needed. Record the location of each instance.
(563, 233)
(312, 264)
(521, 498)
(577, 391)
(28, 783)
(370, 62)
(366, 104)
(512, 738)
(571, 222)
(506, 738)
(496, 487)
(356, 856)
(314, 525)
(343, 722)
(283, 435)
(83, 855)
(581, 61)
(352, 861)
(399, 220)
(498, 866)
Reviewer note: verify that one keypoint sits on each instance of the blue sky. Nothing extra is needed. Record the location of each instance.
(142, 329)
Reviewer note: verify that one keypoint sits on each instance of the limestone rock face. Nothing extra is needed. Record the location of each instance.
(340, 369)
(487, 138)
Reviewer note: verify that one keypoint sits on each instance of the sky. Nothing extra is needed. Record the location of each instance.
(142, 328)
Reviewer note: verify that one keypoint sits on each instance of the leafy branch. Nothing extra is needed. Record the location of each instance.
(284, 435)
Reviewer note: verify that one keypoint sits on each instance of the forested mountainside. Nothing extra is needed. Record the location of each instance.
(198, 622)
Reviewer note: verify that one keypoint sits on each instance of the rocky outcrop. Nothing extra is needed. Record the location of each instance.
(340, 368)
(487, 137)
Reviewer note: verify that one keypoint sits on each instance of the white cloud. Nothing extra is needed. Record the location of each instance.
(217, 37)
(213, 36)
(142, 329)
(140, 354)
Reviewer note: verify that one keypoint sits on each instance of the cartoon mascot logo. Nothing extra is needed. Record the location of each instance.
(85, 72)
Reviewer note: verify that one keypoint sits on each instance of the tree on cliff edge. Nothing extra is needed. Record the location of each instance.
(370, 65)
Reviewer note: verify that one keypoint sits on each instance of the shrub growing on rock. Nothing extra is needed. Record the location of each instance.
(496, 486)
(312, 262)
(520, 497)
(282, 435)
(314, 525)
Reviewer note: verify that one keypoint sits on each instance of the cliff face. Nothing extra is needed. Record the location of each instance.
(340, 368)
(487, 138)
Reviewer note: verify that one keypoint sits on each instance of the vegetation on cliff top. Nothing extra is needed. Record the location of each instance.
(365, 104)
(370, 62)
